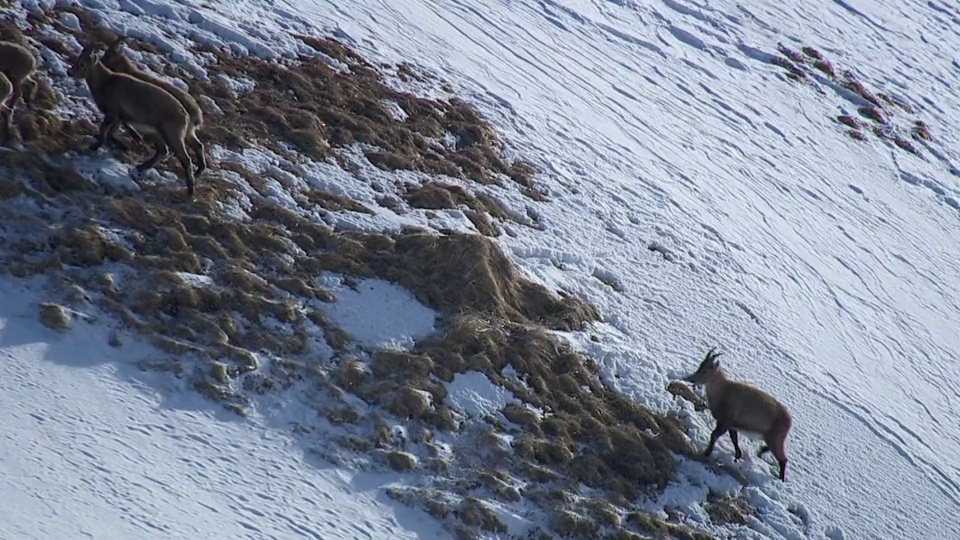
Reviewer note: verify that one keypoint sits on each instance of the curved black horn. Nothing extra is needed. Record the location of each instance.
(711, 355)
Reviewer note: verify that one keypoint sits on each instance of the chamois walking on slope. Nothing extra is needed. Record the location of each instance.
(737, 406)
(17, 66)
(144, 106)
(115, 60)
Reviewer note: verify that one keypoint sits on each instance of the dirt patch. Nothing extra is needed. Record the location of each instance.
(878, 107)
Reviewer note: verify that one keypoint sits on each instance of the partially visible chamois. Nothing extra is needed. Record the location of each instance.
(142, 105)
(17, 67)
(115, 60)
(737, 406)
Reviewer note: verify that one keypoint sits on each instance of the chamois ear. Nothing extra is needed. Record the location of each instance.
(117, 44)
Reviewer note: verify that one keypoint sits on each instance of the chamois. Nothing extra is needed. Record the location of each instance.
(737, 406)
(17, 66)
(142, 105)
(115, 60)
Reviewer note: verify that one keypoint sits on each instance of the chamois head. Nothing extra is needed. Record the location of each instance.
(114, 58)
(85, 62)
(709, 368)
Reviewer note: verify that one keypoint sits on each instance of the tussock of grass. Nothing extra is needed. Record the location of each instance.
(724, 509)
(649, 524)
(571, 525)
(437, 196)
(54, 316)
(683, 391)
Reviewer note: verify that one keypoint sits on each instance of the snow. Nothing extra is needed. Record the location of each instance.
(697, 198)
(93, 446)
(380, 314)
(473, 394)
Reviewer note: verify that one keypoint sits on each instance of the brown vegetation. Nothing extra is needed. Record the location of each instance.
(879, 106)
(724, 509)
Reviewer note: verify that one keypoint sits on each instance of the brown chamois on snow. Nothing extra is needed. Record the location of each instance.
(17, 67)
(144, 106)
(115, 60)
(737, 406)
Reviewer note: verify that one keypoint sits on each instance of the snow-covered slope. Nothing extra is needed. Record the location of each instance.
(697, 196)
(91, 449)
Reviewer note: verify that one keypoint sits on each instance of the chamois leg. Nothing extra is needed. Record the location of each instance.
(133, 133)
(14, 100)
(717, 432)
(198, 151)
(162, 151)
(776, 443)
(180, 150)
(108, 128)
(6, 115)
(736, 444)
(32, 86)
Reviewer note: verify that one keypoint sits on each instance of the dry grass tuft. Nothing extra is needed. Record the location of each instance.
(850, 121)
(452, 273)
(826, 68)
(920, 130)
(683, 391)
(873, 113)
(475, 513)
(811, 52)
(791, 54)
(649, 524)
(54, 316)
(793, 71)
(857, 87)
(856, 134)
(400, 461)
(571, 525)
(437, 196)
(906, 145)
(725, 509)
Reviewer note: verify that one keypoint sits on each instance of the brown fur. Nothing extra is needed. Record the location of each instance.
(17, 66)
(146, 107)
(115, 60)
(737, 406)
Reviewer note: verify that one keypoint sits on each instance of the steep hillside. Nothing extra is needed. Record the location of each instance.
(458, 254)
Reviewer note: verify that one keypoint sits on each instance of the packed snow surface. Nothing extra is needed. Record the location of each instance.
(697, 197)
(94, 447)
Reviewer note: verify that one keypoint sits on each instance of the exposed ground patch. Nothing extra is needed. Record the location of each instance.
(880, 114)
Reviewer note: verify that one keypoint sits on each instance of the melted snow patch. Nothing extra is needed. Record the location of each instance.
(473, 394)
(378, 313)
